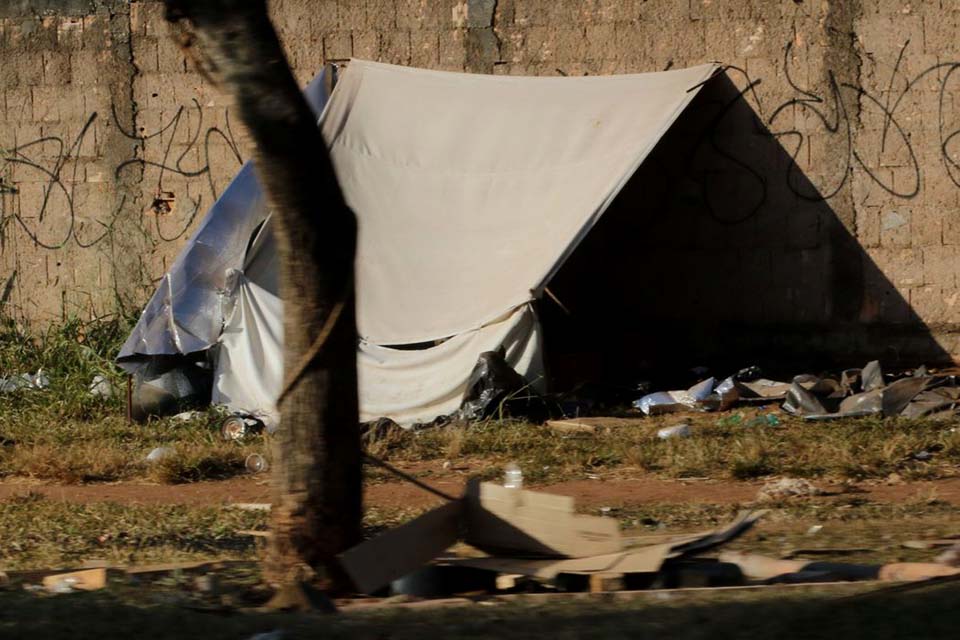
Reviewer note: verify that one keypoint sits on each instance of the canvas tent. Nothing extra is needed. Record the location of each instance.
(470, 191)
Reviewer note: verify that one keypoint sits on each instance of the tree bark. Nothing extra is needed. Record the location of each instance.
(317, 465)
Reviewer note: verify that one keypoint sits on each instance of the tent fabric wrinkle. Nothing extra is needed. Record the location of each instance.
(187, 312)
(470, 192)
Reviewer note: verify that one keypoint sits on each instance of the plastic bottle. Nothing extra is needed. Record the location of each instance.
(512, 476)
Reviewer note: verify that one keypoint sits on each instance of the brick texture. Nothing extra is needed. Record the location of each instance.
(817, 183)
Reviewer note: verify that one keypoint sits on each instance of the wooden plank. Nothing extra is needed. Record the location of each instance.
(909, 571)
(601, 582)
(393, 554)
(86, 580)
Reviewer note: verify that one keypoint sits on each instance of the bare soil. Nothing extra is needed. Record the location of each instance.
(613, 492)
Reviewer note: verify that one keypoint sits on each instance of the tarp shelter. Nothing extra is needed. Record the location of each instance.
(470, 191)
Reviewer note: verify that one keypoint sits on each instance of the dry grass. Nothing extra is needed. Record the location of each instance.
(848, 449)
(65, 434)
(40, 533)
(42, 447)
(38, 443)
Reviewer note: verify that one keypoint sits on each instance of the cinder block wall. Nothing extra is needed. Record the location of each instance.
(808, 201)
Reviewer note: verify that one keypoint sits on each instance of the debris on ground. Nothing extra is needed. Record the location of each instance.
(88, 580)
(100, 387)
(785, 488)
(569, 427)
(30, 381)
(256, 463)
(774, 570)
(161, 453)
(681, 430)
(950, 557)
(237, 427)
(495, 389)
(525, 533)
(852, 393)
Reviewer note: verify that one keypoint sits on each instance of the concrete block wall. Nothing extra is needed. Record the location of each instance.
(814, 187)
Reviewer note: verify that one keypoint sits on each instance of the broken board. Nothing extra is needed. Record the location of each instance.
(522, 522)
(396, 552)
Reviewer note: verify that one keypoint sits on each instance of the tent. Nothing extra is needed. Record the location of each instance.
(470, 192)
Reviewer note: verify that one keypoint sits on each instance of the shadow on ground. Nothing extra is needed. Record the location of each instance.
(783, 614)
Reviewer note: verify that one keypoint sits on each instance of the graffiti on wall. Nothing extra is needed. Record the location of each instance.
(827, 114)
(58, 217)
(53, 164)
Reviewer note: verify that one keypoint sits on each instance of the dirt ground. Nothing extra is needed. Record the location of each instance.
(612, 492)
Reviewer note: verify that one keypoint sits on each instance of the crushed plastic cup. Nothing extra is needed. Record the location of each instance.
(512, 476)
(256, 463)
(238, 427)
(161, 453)
(676, 431)
(100, 387)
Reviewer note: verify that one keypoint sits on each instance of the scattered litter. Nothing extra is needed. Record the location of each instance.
(768, 420)
(35, 382)
(164, 387)
(237, 427)
(276, 634)
(788, 488)
(677, 431)
(815, 529)
(186, 416)
(495, 389)
(571, 427)
(100, 387)
(88, 580)
(256, 463)
(251, 506)
(931, 544)
(950, 557)
(161, 453)
(851, 394)
(800, 401)
(512, 476)
(731, 420)
(670, 401)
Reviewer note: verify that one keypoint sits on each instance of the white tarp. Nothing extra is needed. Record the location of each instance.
(470, 192)
(249, 371)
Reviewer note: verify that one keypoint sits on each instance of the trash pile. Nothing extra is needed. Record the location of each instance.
(535, 542)
(852, 393)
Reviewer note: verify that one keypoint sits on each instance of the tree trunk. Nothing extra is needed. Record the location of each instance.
(317, 466)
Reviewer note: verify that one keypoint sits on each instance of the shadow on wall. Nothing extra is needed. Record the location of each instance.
(721, 252)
